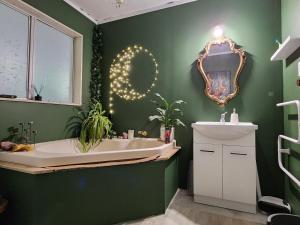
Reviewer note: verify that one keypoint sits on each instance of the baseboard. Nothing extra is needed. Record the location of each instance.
(172, 200)
(225, 204)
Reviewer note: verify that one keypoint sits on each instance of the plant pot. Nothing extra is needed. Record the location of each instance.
(162, 133)
(38, 98)
(167, 136)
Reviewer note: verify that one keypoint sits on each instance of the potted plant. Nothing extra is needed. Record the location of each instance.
(168, 113)
(38, 92)
(94, 127)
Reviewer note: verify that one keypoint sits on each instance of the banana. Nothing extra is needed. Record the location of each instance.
(22, 147)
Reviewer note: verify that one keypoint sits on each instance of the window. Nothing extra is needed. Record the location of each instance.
(39, 56)
(53, 60)
(14, 52)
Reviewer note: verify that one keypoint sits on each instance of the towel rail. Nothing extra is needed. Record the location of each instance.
(295, 141)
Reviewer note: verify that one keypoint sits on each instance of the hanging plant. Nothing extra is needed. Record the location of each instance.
(96, 66)
(74, 124)
(94, 128)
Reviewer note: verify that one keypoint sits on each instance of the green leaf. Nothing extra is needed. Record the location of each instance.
(167, 113)
(179, 123)
(161, 111)
(155, 117)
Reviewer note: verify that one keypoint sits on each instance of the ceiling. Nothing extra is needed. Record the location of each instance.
(103, 11)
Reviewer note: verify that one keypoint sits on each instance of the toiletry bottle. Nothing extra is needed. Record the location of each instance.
(125, 135)
(130, 134)
(234, 117)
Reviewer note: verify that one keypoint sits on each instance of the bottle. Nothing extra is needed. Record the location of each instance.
(130, 134)
(234, 118)
(125, 135)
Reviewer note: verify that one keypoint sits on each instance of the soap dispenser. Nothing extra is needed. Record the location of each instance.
(234, 118)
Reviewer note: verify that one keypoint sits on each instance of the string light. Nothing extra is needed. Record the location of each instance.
(119, 75)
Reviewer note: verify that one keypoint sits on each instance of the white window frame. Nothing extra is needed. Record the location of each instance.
(35, 15)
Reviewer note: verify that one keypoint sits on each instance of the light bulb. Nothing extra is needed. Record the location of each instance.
(218, 32)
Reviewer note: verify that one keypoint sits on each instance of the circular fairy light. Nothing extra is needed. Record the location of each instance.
(119, 75)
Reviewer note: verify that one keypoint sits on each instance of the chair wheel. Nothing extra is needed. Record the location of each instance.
(3, 204)
(283, 219)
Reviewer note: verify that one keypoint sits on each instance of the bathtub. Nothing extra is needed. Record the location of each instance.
(66, 152)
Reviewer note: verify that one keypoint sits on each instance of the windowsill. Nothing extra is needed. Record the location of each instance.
(38, 102)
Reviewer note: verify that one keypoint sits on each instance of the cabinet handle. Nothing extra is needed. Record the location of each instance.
(207, 151)
(235, 153)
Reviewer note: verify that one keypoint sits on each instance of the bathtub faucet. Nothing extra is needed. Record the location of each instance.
(143, 133)
(27, 134)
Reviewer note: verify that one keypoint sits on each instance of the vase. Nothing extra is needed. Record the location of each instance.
(167, 136)
(38, 98)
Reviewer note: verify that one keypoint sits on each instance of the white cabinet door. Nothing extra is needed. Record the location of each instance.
(239, 174)
(208, 170)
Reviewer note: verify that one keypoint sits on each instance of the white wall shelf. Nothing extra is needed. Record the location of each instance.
(289, 46)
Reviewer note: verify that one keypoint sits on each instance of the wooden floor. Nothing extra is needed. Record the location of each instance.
(183, 211)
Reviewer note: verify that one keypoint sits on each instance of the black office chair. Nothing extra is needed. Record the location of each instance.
(283, 219)
(3, 204)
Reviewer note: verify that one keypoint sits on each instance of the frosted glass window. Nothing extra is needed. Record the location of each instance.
(14, 30)
(53, 64)
(37, 55)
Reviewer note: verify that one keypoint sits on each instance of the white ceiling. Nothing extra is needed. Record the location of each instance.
(103, 11)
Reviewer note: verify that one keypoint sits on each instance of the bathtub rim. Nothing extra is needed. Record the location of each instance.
(169, 153)
(76, 153)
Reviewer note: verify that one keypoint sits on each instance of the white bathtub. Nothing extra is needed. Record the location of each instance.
(65, 152)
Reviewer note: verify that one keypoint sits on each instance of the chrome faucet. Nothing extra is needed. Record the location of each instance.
(27, 135)
(222, 119)
(30, 124)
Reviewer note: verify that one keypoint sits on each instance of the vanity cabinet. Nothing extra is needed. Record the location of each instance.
(239, 174)
(225, 170)
(208, 164)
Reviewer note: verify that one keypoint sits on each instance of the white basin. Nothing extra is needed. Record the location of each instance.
(224, 130)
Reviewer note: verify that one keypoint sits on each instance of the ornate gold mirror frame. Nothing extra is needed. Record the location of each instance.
(207, 78)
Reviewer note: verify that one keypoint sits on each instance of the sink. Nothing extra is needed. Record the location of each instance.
(224, 130)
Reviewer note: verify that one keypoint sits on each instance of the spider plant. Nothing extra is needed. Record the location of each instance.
(38, 91)
(94, 127)
(74, 123)
(168, 112)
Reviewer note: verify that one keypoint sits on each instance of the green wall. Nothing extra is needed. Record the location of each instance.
(50, 120)
(176, 36)
(290, 18)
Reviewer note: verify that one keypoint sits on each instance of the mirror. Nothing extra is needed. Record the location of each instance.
(220, 64)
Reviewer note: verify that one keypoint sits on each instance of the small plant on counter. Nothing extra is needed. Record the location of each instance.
(38, 92)
(13, 135)
(94, 127)
(168, 113)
